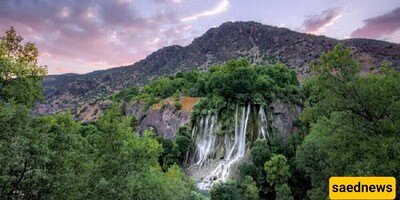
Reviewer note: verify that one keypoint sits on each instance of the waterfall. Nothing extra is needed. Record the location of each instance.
(262, 124)
(206, 139)
(216, 155)
(233, 153)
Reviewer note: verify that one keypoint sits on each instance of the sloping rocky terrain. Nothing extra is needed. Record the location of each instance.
(259, 43)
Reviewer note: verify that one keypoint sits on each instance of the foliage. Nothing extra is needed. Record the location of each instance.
(277, 170)
(246, 189)
(236, 81)
(283, 192)
(125, 95)
(55, 157)
(178, 105)
(170, 153)
(20, 75)
(121, 157)
(42, 157)
(239, 80)
(248, 169)
(250, 190)
(21, 152)
(354, 122)
(174, 152)
(260, 153)
(179, 185)
(189, 84)
(228, 190)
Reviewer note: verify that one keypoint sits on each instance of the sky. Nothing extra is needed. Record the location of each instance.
(80, 36)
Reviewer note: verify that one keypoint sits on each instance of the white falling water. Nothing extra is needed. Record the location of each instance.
(233, 152)
(207, 166)
(262, 124)
(188, 152)
(206, 140)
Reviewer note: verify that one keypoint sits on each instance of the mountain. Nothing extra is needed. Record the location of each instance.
(261, 44)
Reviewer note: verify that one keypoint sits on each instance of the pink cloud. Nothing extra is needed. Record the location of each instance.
(379, 26)
(317, 23)
(87, 35)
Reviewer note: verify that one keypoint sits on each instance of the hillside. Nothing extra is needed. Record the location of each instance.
(261, 44)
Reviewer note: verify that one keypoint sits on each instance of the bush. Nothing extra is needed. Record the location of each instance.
(228, 190)
(178, 105)
(283, 192)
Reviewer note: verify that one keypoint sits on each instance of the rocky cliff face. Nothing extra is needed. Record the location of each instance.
(164, 121)
(164, 117)
(284, 116)
(262, 44)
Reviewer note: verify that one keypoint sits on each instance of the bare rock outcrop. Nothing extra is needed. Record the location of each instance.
(163, 117)
(284, 115)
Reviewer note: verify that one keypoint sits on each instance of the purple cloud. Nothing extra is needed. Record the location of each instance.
(317, 23)
(89, 35)
(379, 26)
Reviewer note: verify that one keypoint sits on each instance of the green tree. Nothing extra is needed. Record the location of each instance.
(20, 75)
(126, 95)
(42, 157)
(21, 153)
(354, 122)
(121, 158)
(250, 190)
(277, 169)
(228, 190)
(260, 153)
(179, 186)
(68, 164)
(55, 157)
(283, 192)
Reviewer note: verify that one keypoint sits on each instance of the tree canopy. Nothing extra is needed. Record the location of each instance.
(354, 122)
(20, 74)
(56, 157)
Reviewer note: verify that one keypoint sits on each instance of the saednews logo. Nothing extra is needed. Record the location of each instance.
(362, 188)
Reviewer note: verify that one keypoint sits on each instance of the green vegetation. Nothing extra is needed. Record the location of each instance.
(125, 95)
(274, 169)
(350, 127)
(188, 84)
(246, 189)
(20, 76)
(55, 157)
(174, 152)
(354, 122)
(277, 170)
(235, 81)
(239, 82)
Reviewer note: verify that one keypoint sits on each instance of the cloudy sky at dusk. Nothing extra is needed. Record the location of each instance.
(80, 36)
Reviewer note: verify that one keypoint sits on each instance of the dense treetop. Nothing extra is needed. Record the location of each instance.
(20, 74)
(55, 157)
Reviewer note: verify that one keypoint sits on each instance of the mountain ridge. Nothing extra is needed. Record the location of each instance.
(261, 44)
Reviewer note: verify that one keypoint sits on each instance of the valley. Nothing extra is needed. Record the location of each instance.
(246, 111)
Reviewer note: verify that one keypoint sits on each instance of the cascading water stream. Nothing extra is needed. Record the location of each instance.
(205, 146)
(262, 124)
(215, 157)
(233, 153)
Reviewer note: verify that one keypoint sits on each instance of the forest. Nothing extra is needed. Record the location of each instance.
(350, 126)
